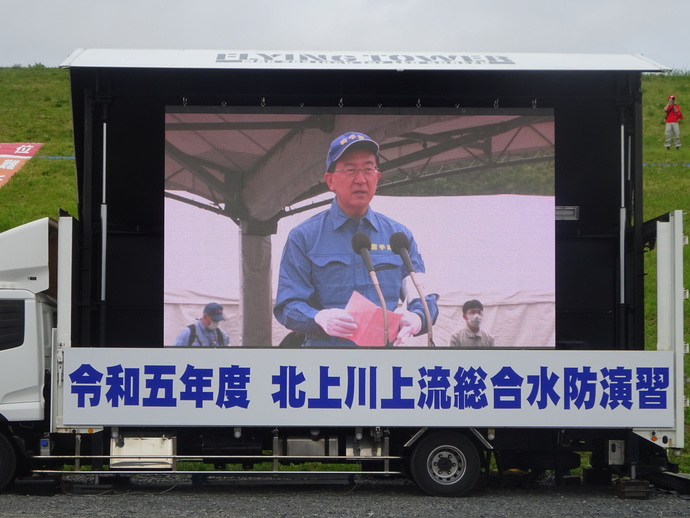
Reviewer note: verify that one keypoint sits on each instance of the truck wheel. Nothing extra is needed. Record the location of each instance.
(445, 464)
(8, 461)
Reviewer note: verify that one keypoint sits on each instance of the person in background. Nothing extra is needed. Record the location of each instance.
(319, 270)
(205, 331)
(673, 117)
(471, 336)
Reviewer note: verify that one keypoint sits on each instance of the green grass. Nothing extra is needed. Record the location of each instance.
(35, 107)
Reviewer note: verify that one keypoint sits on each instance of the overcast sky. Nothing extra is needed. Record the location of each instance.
(47, 31)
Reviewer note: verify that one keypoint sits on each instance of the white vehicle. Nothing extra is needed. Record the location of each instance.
(520, 177)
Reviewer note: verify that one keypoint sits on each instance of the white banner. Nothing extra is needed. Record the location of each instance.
(368, 387)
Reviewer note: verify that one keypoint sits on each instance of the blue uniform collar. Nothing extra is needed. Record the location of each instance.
(340, 218)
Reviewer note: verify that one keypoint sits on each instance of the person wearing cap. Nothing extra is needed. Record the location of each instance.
(470, 336)
(673, 117)
(319, 270)
(205, 331)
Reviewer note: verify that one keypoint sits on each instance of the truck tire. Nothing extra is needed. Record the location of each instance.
(8, 462)
(445, 464)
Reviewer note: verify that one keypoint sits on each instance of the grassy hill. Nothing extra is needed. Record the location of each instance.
(666, 173)
(35, 107)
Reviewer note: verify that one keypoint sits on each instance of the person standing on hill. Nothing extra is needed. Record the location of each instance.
(673, 117)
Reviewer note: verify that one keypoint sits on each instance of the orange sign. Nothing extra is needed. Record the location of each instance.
(13, 157)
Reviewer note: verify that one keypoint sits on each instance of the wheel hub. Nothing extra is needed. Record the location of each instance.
(446, 465)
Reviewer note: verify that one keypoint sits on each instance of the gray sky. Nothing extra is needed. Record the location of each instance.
(47, 31)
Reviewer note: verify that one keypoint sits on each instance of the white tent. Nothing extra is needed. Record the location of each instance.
(498, 249)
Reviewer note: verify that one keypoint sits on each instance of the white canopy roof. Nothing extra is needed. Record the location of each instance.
(344, 60)
(257, 164)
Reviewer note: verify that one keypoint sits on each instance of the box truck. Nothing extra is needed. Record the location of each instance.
(519, 177)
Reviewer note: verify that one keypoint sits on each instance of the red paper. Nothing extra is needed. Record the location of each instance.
(369, 318)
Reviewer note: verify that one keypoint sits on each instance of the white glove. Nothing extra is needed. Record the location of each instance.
(410, 325)
(336, 322)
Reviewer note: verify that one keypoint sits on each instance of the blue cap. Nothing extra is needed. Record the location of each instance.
(344, 141)
(215, 311)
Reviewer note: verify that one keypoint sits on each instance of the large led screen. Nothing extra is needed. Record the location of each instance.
(470, 191)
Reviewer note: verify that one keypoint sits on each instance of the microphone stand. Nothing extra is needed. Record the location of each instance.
(427, 313)
(382, 300)
(361, 244)
(399, 245)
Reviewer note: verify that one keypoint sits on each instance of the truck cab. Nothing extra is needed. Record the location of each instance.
(28, 301)
(28, 312)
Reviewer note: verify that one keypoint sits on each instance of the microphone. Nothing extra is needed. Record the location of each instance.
(361, 244)
(400, 245)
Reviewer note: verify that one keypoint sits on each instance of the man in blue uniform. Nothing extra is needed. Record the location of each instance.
(319, 269)
(205, 331)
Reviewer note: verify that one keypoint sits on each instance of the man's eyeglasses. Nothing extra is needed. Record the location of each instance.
(351, 172)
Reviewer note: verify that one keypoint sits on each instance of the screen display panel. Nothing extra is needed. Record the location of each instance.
(259, 227)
